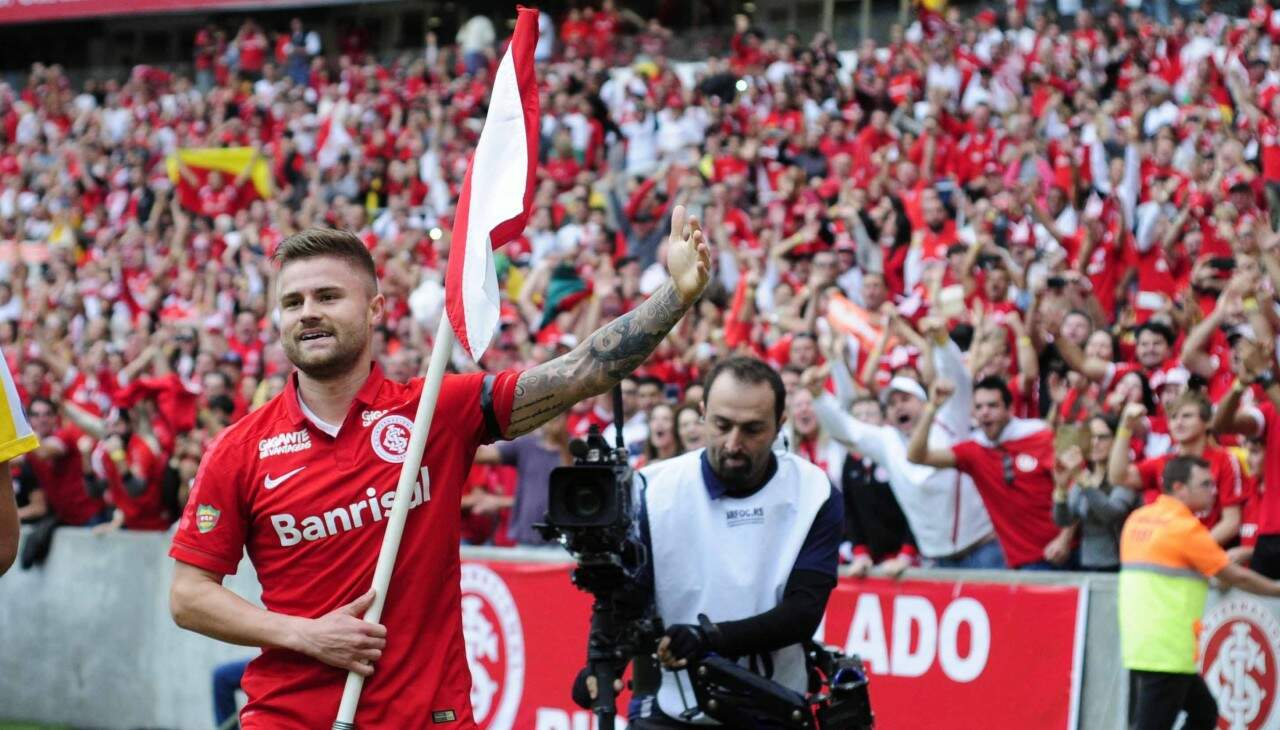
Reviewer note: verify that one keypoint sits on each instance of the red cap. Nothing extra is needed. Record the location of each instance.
(987, 17)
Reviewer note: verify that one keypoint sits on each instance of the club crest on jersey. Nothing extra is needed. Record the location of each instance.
(1026, 462)
(207, 517)
(390, 438)
(284, 443)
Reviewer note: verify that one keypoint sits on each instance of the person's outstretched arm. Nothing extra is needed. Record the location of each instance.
(918, 451)
(1238, 576)
(8, 519)
(613, 351)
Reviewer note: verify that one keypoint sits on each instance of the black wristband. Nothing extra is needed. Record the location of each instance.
(712, 632)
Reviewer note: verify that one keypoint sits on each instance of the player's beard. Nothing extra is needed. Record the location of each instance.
(344, 353)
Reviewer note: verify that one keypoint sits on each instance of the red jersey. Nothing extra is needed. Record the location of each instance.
(1225, 468)
(145, 510)
(310, 509)
(214, 203)
(253, 52)
(1250, 510)
(1269, 504)
(1015, 479)
(61, 478)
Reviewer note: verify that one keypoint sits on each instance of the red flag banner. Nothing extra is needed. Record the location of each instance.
(502, 176)
(246, 176)
(851, 319)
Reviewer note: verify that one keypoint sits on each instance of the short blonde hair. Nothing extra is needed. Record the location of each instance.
(333, 242)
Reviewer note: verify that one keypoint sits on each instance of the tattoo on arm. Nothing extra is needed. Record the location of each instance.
(596, 365)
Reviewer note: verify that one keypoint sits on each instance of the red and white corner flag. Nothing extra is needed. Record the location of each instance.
(497, 192)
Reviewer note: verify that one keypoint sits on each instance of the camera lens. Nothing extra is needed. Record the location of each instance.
(586, 501)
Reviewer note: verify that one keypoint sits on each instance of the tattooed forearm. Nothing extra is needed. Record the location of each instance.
(596, 365)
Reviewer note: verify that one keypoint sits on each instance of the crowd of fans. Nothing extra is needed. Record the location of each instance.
(1066, 220)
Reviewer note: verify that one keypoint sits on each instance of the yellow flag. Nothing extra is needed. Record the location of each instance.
(229, 160)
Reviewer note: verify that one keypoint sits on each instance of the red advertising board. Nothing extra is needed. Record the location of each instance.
(525, 627)
(941, 654)
(964, 655)
(27, 11)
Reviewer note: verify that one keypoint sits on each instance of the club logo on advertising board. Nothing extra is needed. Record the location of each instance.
(1238, 661)
(390, 438)
(494, 639)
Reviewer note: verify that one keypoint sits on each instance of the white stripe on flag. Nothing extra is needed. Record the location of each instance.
(498, 179)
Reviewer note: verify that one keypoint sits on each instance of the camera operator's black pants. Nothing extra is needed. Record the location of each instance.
(1161, 696)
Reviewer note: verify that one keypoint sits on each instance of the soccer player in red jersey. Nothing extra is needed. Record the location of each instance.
(1011, 462)
(305, 484)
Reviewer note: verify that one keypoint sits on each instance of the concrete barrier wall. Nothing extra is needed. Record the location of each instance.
(86, 640)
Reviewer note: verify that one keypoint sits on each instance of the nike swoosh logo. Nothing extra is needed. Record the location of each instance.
(270, 483)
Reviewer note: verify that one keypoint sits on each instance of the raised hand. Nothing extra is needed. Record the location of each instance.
(894, 567)
(1256, 359)
(815, 379)
(688, 258)
(1068, 463)
(861, 566)
(1133, 413)
(943, 389)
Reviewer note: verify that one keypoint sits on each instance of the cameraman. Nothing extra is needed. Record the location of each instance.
(741, 535)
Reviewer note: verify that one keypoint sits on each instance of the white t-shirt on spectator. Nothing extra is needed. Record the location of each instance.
(652, 278)
(546, 37)
(541, 243)
(642, 145)
(567, 239)
(1164, 115)
(944, 77)
(1066, 223)
(778, 72)
(117, 123)
(86, 102)
(579, 129)
(11, 311)
(265, 90)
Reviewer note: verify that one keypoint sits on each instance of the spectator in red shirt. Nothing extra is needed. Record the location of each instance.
(252, 45)
(1154, 342)
(1189, 420)
(59, 472)
(1011, 461)
(1255, 371)
(130, 460)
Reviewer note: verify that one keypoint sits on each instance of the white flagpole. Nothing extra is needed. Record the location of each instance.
(440, 354)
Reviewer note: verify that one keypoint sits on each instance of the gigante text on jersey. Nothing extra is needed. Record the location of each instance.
(292, 531)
